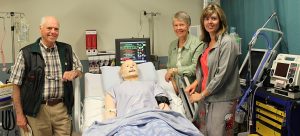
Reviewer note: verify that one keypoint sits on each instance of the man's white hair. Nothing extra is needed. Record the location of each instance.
(43, 20)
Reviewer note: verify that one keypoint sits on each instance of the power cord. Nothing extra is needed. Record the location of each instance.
(251, 106)
(8, 120)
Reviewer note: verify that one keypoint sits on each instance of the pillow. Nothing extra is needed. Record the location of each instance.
(147, 72)
(93, 85)
(111, 76)
(167, 86)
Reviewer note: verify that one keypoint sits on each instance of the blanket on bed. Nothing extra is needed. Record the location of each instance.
(145, 123)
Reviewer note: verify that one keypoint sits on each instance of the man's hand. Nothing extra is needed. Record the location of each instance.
(20, 117)
(22, 122)
(70, 75)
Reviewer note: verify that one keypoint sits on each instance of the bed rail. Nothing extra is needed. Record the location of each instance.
(190, 108)
(77, 106)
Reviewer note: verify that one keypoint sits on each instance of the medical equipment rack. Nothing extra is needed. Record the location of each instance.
(274, 114)
(5, 96)
(7, 121)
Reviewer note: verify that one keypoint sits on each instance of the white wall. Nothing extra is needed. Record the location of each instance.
(111, 18)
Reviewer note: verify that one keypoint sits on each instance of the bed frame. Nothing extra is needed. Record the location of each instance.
(94, 95)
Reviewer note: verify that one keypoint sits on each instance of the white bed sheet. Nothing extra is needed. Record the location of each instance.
(93, 107)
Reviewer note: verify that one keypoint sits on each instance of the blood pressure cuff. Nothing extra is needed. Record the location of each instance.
(162, 99)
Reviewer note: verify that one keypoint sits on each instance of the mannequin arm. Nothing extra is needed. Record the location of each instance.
(110, 107)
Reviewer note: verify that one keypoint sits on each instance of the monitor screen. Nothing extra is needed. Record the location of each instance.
(257, 56)
(281, 69)
(136, 49)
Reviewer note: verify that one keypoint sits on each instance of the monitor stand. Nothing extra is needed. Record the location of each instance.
(292, 95)
(154, 59)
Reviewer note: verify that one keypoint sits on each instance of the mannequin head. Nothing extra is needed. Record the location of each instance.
(129, 70)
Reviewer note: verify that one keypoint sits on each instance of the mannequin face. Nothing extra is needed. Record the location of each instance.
(129, 70)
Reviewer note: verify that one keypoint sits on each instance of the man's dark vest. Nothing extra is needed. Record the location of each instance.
(34, 77)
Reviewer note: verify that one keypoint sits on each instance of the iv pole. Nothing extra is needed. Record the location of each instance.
(151, 28)
(12, 18)
(12, 21)
(153, 57)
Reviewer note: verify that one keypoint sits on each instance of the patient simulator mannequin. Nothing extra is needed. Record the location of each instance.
(133, 94)
(133, 108)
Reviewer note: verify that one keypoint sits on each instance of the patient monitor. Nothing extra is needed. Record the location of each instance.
(285, 72)
(260, 59)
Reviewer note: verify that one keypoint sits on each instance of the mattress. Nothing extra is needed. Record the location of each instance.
(93, 103)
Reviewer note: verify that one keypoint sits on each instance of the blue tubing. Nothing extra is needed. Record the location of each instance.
(258, 71)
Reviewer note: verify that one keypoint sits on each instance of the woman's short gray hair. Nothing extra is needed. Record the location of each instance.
(183, 16)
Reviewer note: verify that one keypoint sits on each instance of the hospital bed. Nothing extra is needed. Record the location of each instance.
(91, 108)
